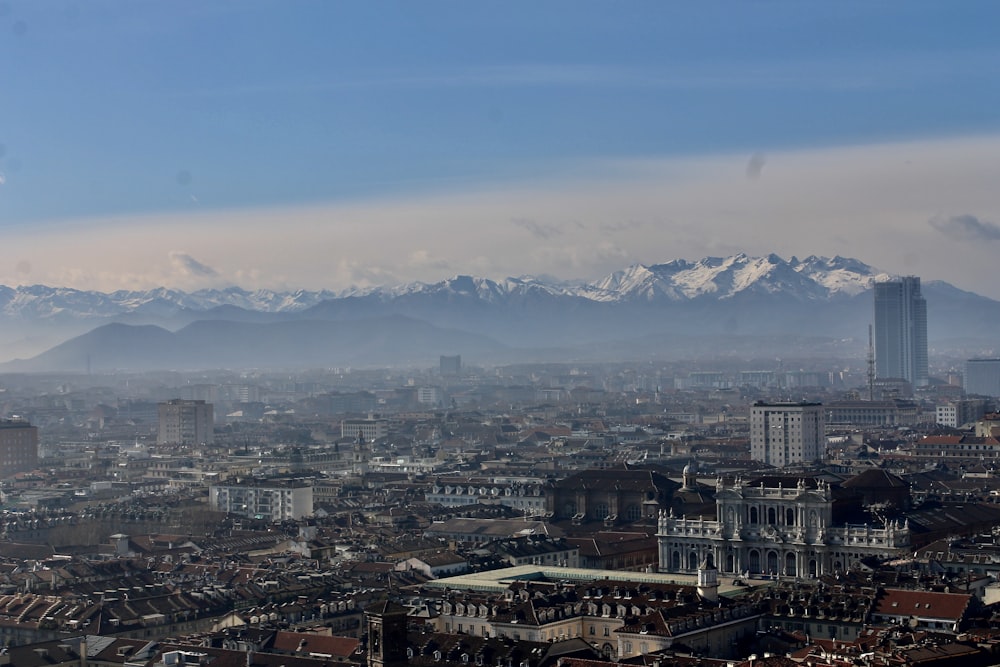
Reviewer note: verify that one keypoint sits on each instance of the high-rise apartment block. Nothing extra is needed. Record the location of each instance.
(787, 433)
(18, 447)
(901, 331)
(184, 422)
(982, 377)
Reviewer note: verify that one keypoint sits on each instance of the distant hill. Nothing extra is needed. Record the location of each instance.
(393, 340)
(714, 305)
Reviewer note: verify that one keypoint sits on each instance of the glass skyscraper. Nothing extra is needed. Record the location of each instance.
(901, 331)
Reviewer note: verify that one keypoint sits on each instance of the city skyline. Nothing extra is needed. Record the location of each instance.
(207, 144)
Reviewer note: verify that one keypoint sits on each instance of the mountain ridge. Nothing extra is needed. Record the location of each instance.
(679, 280)
(645, 310)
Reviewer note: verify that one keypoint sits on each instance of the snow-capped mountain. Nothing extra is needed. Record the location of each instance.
(735, 296)
(727, 277)
(41, 302)
(679, 280)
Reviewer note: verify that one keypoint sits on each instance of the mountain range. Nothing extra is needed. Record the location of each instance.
(716, 304)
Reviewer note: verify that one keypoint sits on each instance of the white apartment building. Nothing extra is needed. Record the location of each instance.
(428, 395)
(275, 500)
(958, 413)
(786, 433)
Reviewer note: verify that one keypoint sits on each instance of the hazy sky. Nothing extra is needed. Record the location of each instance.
(324, 144)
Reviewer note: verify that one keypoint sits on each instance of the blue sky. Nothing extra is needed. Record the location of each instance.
(412, 140)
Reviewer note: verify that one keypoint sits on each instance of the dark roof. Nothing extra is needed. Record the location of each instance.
(626, 479)
(875, 478)
(385, 608)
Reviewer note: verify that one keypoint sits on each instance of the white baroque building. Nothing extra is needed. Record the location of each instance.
(774, 530)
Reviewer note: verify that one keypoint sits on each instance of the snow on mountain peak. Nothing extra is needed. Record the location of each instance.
(678, 280)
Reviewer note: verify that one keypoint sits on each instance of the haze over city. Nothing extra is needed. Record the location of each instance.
(557, 333)
(320, 145)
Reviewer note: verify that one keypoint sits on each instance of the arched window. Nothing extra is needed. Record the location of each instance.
(771, 516)
(633, 513)
(790, 516)
(790, 565)
(569, 509)
(693, 561)
(753, 515)
(730, 563)
(772, 562)
(675, 561)
(754, 563)
(601, 510)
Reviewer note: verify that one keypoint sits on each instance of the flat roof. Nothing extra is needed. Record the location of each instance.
(785, 404)
(496, 581)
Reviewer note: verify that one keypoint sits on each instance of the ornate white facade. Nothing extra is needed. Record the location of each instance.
(774, 531)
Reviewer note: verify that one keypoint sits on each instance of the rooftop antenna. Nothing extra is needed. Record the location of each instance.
(871, 363)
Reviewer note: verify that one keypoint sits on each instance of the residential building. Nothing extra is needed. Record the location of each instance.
(18, 447)
(957, 413)
(922, 610)
(481, 531)
(901, 331)
(966, 447)
(527, 496)
(371, 429)
(185, 422)
(443, 564)
(896, 412)
(428, 395)
(623, 615)
(786, 433)
(276, 500)
(538, 551)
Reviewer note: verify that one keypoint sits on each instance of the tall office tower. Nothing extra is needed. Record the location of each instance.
(184, 422)
(901, 331)
(451, 365)
(18, 447)
(787, 433)
(982, 377)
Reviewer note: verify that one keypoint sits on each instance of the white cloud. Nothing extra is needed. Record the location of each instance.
(870, 202)
(187, 266)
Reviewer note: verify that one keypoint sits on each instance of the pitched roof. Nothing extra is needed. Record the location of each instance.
(306, 642)
(927, 604)
(875, 477)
